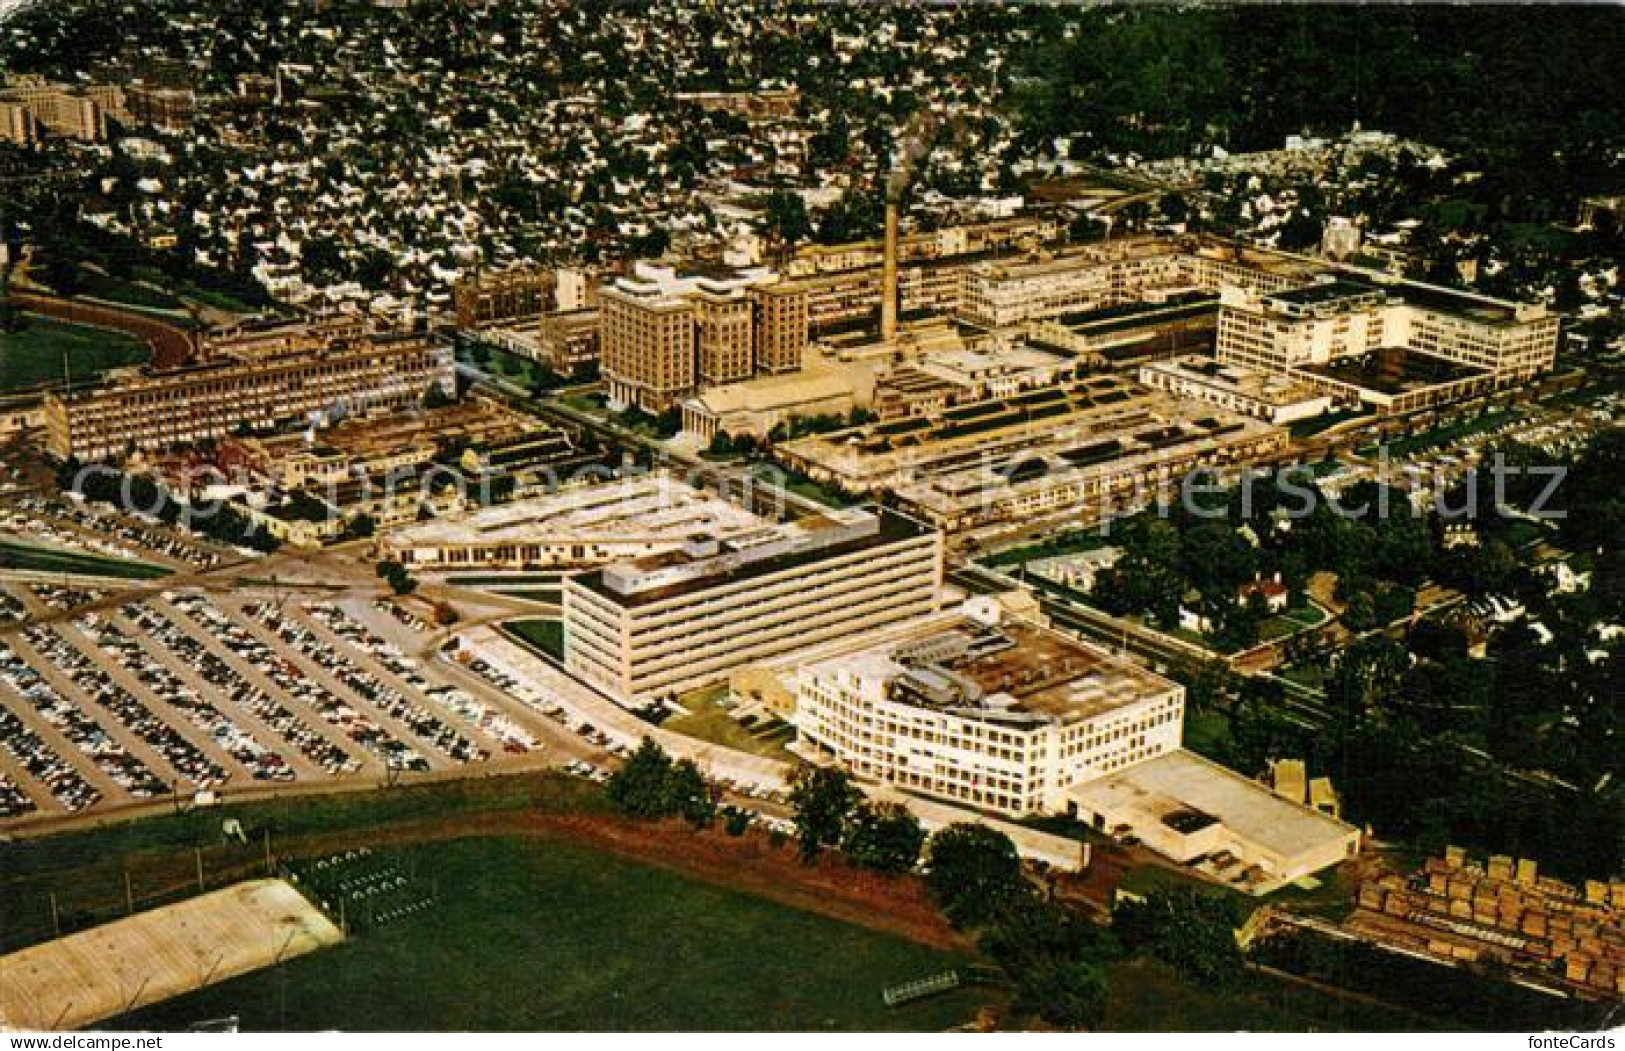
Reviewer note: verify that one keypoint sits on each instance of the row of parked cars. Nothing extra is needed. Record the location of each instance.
(63, 598)
(590, 771)
(513, 737)
(188, 761)
(230, 684)
(14, 802)
(12, 610)
(44, 765)
(503, 678)
(299, 688)
(263, 763)
(143, 537)
(392, 702)
(83, 732)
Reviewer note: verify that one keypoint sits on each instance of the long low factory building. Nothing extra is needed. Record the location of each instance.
(1228, 828)
(1061, 449)
(585, 526)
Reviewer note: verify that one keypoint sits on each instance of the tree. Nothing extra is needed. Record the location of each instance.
(721, 446)
(787, 217)
(974, 872)
(360, 527)
(11, 319)
(822, 797)
(884, 837)
(1192, 931)
(397, 577)
(688, 795)
(639, 788)
(1070, 993)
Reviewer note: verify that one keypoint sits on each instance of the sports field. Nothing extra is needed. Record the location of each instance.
(33, 356)
(550, 935)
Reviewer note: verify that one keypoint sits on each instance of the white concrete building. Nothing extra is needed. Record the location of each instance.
(1275, 398)
(577, 527)
(667, 624)
(1000, 716)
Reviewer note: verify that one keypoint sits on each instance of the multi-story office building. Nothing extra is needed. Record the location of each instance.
(665, 332)
(167, 109)
(256, 377)
(1001, 714)
(724, 337)
(781, 326)
(1005, 294)
(61, 109)
(1398, 345)
(997, 714)
(667, 624)
(503, 295)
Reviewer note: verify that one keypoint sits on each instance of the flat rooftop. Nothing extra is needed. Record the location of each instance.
(649, 509)
(1322, 292)
(655, 578)
(1265, 387)
(1395, 370)
(1177, 786)
(1014, 672)
(92, 975)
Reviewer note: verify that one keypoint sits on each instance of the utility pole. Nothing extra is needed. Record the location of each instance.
(56, 918)
(129, 895)
(197, 853)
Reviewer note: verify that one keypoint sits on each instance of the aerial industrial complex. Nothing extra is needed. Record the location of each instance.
(455, 455)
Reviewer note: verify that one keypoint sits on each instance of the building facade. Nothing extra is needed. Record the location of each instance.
(273, 382)
(997, 716)
(665, 332)
(1329, 320)
(660, 627)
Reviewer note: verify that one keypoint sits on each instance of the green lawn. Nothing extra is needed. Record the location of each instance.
(1072, 543)
(710, 721)
(33, 356)
(774, 474)
(549, 596)
(129, 293)
(1148, 997)
(1291, 621)
(52, 560)
(510, 366)
(1207, 732)
(547, 935)
(542, 633)
(1326, 420)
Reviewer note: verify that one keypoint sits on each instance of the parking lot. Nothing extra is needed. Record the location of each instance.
(187, 691)
(75, 524)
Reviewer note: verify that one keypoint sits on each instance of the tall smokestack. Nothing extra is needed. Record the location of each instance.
(888, 275)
